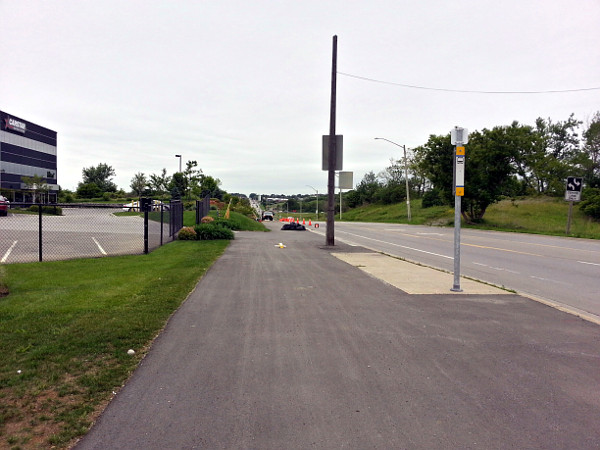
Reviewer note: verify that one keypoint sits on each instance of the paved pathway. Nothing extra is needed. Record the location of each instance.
(292, 348)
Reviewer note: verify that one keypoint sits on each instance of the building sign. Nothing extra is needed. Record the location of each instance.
(14, 125)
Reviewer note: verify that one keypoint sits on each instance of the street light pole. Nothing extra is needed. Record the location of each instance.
(179, 156)
(405, 174)
(317, 199)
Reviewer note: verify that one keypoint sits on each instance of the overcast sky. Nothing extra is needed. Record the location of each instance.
(243, 87)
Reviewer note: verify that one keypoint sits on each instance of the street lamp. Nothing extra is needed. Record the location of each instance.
(317, 199)
(405, 174)
(179, 156)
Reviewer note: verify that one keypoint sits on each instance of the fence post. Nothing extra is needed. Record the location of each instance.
(40, 232)
(162, 214)
(145, 231)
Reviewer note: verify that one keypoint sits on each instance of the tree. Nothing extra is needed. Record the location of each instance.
(365, 191)
(88, 190)
(178, 185)
(488, 168)
(192, 177)
(159, 184)
(36, 184)
(100, 175)
(209, 186)
(591, 152)
(549, 153)
(139, 183)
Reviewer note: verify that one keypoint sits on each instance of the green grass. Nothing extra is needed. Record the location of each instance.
(540, 215)
(65, 329)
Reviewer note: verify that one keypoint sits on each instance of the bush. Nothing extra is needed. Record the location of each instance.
(207, 219)
(432, 198)
(187, 234)
(46, 209)
(590, 206)
(211, 231)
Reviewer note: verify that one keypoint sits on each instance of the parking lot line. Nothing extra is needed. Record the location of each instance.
(99, 246)
(6, 255)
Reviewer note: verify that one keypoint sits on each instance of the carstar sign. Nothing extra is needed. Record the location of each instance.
(15, 125)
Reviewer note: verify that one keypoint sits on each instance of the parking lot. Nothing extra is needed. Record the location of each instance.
(78, 233)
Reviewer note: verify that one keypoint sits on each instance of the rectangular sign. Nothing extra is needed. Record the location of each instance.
(345, 181)
(460, 176)
(573, 196)
(339, 153)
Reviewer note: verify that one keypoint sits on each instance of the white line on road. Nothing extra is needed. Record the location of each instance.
(6, 255)
(99, 246)
(501, 269)
(398, 245)
(591, 264)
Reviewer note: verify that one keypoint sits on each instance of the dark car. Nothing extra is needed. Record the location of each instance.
(4, 206)
(268, 215)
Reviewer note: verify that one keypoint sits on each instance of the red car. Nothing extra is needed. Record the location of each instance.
(3, 206)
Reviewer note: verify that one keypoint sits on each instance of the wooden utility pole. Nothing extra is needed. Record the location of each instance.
(332, 151)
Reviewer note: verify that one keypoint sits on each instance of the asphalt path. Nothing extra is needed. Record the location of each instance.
(563, 270)
(290, 347)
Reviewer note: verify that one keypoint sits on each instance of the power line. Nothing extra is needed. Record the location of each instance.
(466, 91)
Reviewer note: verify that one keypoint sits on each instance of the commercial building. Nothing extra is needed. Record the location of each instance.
(27, 150)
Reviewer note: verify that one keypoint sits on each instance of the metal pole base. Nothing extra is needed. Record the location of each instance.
(456, 288)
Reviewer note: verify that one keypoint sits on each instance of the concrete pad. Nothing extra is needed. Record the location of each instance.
(413, 278)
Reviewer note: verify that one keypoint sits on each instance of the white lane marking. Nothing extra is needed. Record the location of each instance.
(99, 246)
(7, 254)
(430, 234)
(398, 245)
(501, 269)
(591, 264)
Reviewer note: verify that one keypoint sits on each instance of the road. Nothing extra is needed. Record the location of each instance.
(563, 270)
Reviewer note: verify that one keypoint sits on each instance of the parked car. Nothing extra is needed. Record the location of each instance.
(268, 215)
(4, 203)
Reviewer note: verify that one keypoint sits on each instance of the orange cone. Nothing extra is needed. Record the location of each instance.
(309, 223)
(297, 221)
(303, 222)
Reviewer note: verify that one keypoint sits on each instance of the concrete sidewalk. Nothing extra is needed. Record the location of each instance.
(295, 348)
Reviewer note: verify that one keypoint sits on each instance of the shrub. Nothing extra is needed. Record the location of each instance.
(591, 203)
(187, 234)
(46, 209)
(210, 231)
(207, 219)
(432, 198)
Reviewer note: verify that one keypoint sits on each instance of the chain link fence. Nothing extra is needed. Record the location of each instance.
(42, 232)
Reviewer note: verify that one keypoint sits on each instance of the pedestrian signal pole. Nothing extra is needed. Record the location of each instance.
(458, 137)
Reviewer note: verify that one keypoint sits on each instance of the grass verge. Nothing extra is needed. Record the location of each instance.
(65, 329)
(541, 215)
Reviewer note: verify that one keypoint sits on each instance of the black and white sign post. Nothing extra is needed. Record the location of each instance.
(572, 194)
(458, 137)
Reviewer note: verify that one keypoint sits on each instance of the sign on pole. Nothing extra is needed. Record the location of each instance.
(573, 192)
(458, 137)
(339, 152)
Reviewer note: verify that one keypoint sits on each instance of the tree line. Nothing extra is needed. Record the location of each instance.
(505, 161)
(191, 183)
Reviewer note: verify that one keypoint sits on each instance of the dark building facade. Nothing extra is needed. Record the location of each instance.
(27, 150)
